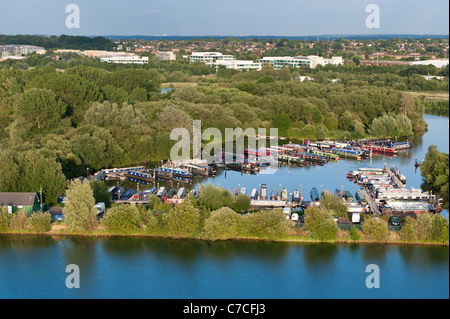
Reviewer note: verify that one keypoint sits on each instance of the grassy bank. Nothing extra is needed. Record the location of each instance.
(343, 237)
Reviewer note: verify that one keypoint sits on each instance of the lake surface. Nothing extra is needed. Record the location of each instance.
(34, 266)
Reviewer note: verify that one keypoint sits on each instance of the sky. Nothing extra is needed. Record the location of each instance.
(224, 17)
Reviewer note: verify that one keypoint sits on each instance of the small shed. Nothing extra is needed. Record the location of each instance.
(28, 202)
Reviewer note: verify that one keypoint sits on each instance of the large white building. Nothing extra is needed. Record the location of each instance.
(442, 63)
(237, 64)
(209, 57)
(11, 50)
(125, 59)
(311, 61)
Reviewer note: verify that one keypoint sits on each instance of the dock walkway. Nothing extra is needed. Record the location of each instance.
(373, 206)
(394, 178)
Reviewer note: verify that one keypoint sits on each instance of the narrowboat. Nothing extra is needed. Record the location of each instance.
(348, 196)
(161, 191)
(264, 192)
(171, 192)
(315, 196)
(296, 196)
(127, 195)
(254, 194)
(181, 192)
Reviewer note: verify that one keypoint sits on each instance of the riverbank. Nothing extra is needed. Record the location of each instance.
(343, 237)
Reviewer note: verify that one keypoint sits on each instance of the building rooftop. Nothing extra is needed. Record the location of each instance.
(17, 199)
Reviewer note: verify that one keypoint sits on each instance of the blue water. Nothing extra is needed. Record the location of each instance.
(34, 266)
(177, 269)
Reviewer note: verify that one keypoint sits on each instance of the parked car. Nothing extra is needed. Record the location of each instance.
(336, 218)
(100, 208)
(395, 221)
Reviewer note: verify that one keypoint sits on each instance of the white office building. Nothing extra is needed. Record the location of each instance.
(237, 65)
(166, 56)
(125, 59)
(442, 63)
(209, 57)
(311, 61)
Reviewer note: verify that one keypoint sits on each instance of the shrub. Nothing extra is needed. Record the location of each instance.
(242, 203)
(39, 222)
(319, 223)
(423, 226)
(439, 229)
(354, 234)
(222, 224)
(270, 224)
(122, 220)
(18, 221)
(4, 219)
(213, 197)
(333, 203)
(183, 220)
(375, 229)
(408, 231)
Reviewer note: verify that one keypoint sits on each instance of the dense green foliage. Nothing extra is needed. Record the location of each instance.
(80, 214)
(375, 229)
(435, 172)
(319, 223)
(426, 228)
(332, 202)
(61, 42)
(39, 222)
(122, 220)
(100, 192)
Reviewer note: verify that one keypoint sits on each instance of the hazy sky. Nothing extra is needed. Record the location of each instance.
(224, 17)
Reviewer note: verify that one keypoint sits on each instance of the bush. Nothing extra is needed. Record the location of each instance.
(122, 220)
(39, 222)
(270, 224)
(4, 219)
(354, 234)
(183, 220)
(408, 231)
(333, 203)
(439, 229)
(319, 223)
(242, 203)
(18, 221)
(375, 229)
(222, 224)
(213, 197)
(423, 226)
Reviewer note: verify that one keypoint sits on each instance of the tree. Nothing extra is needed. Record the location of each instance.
(101, 194)
(423, 225)
(213, 197)
(183, 220)
(242, 203)
(439, 229)
(408, 231)
(222, 224)
(268, 224)
(435, 172)
(333, 203)
(4, 219)
(375, 229)
(41, 109)
(319, 223)
(122, 220)
(80, 214)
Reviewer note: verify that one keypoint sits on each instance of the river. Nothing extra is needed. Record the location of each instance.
(35, 266)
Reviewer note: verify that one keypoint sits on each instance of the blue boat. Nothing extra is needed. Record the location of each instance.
(315, 196)
(127, 195)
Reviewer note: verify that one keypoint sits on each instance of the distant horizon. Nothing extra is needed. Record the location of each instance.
(311, 37)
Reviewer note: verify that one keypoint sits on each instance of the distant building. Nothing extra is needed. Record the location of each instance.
(19, 50)
(166, 56)
(237, 64)
(126, 59)
(209, 57)
(442, 63)
(311, 61)
(16, 202)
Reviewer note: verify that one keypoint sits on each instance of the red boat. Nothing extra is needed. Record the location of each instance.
(380, 150)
